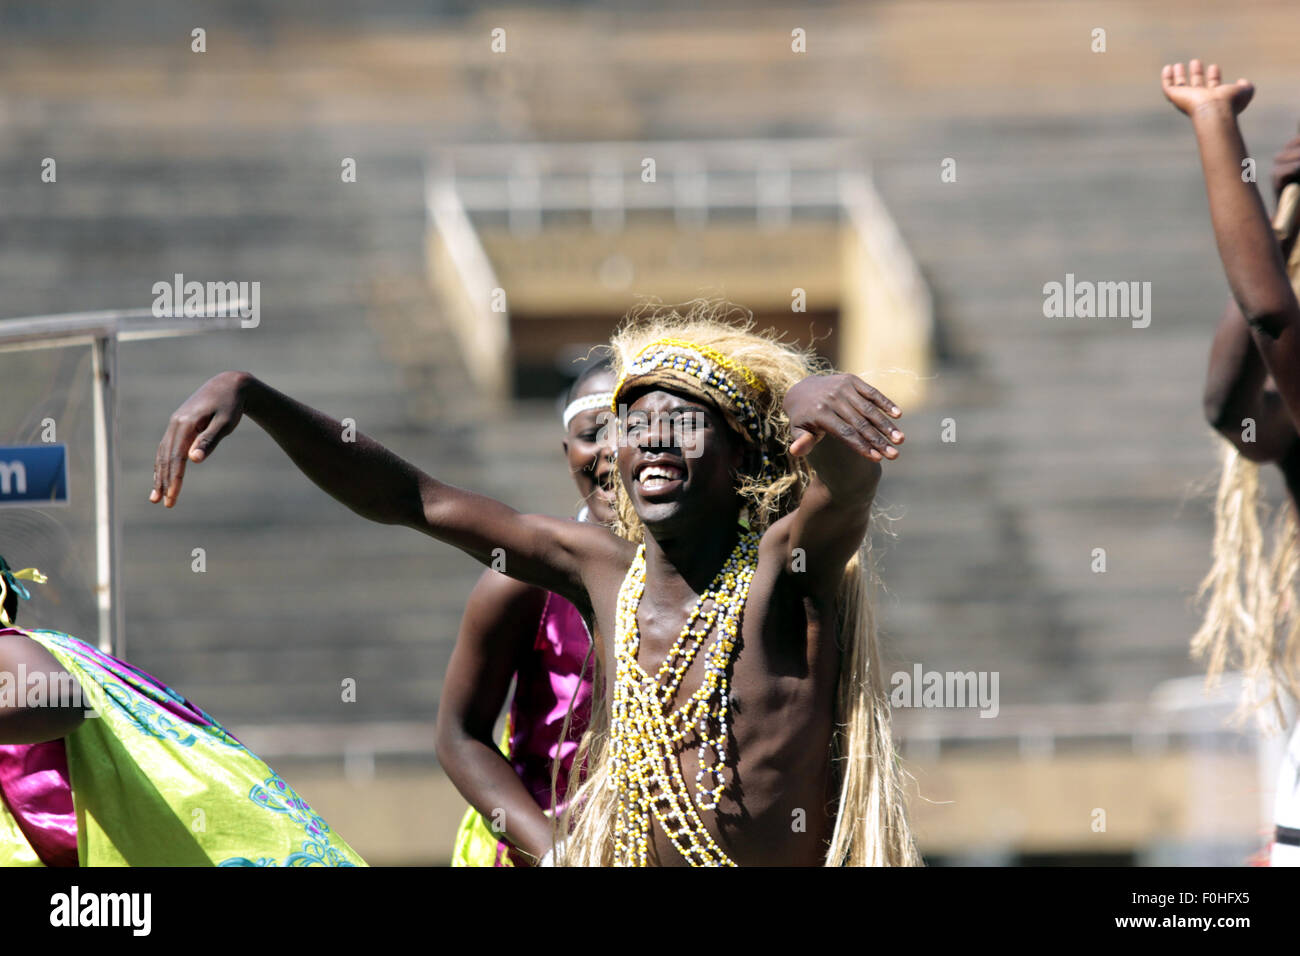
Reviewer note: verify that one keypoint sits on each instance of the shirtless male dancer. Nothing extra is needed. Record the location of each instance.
(746, 476)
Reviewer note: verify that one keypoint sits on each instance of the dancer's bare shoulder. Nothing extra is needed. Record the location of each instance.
(21, 723)
(606, 558)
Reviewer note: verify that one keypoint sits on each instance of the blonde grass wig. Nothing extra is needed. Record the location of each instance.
(1251, 619)
(871, 828)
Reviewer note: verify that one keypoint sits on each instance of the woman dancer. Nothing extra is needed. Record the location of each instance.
(1253, 400)
(512, 630)
(745, 481)
(102, 765)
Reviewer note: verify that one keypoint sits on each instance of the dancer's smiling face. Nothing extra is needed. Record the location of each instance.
(589, 447)
(678, 458)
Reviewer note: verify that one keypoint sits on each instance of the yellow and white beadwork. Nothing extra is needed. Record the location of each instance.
(647, 733)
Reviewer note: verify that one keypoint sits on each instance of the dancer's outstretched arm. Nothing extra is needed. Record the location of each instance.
(846, 428)
(1251, 259)
(1237, 384)
(379, 485)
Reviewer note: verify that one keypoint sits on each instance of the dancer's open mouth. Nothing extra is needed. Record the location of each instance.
(660, 476)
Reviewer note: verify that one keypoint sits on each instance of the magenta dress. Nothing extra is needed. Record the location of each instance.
(36, 786)
(556, 674)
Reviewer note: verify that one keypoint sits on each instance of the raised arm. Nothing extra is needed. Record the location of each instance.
(1251, 258)
(377, 484)
(498, 629)
(1237, 384)
(845, 428)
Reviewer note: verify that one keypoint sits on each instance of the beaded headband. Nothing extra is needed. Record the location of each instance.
(712, 372)
(585, 404)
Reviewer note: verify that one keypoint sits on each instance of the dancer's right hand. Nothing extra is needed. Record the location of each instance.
(195, 429)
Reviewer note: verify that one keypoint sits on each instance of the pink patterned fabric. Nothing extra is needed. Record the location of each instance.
(550, 679)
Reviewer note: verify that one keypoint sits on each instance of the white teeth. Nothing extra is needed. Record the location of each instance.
(658, 475)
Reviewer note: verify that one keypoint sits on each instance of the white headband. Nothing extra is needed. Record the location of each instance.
(586, 404)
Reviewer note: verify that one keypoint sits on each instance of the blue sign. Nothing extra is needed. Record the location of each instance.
(33, 475)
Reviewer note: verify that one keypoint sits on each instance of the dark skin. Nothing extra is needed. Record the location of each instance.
(496, 633)
(25, 724)
(1253, 369)
(786, 667)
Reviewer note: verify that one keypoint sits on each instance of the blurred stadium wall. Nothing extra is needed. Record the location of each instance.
(1071, 435)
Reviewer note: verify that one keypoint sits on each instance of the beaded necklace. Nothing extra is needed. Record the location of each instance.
(645, 730)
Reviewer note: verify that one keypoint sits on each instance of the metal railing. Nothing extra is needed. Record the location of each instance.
(102, 331)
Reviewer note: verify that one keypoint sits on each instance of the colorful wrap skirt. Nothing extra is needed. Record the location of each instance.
(148, 779)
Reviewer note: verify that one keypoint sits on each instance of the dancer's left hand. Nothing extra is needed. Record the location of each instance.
(843, 407)
(195, 429)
